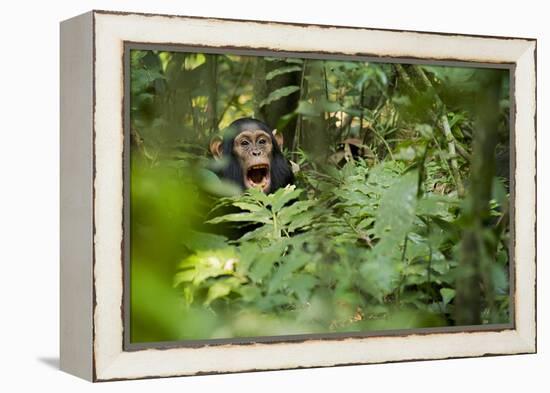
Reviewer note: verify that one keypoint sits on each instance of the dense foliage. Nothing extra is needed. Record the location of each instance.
(398, 218)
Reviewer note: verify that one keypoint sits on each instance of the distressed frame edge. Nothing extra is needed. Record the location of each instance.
(303, 24)
(526, 286)
(76, 196)
(528, 340)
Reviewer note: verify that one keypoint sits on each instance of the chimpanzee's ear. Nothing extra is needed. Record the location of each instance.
(278, 137)
(216, 147)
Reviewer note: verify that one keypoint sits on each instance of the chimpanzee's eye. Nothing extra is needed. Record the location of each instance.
(244, 142)
(261, 141)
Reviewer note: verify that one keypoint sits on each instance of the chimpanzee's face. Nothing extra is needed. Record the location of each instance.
(251, 156)
(254, 149)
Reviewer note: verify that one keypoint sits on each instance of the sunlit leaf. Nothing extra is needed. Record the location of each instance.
(217, 290)
(447, 294)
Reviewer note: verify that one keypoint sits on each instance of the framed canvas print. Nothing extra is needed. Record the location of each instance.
(245, 195)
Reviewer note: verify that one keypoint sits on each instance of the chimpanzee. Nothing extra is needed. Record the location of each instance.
(253, 157)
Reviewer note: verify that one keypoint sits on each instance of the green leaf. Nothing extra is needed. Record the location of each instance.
(294, 60)
(136, 55)
(405, 153)
(425, 130)
(249, 293)
(499, 193)
(308, 109)
(184, 276)
(499, 277)
(248, 251)
(281, 71)
(437, 205)
(278, 94)
(302, 285)
(284, 120)
(447, 294)
(384, 175)
(329, 106)
(263, 265)
(194, 60)
(283, 196)
(380, 275)
(397, 208)
(251, 207)
(261, 233)
(219, 289)
(197, 241)
(290, 60)
(207, 264)
(296, 211)
(300, 222)
(259, 196)
(212, 184)
(453, 76)
(292, 263)
(260, 216)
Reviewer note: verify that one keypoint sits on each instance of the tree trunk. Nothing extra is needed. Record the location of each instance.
(474, 265)
(212, 109)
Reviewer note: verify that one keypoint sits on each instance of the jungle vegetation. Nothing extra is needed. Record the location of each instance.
(399, 216)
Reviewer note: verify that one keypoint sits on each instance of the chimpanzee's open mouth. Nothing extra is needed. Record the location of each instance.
(258, 176)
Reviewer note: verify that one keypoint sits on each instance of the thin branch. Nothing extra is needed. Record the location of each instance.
(406, 78)
(213, 106)
(234, 92)
(402, 279)
(449, 137)
(443, 121)
(452, 151)
(137, 140)
(371, 127)
(298, 132)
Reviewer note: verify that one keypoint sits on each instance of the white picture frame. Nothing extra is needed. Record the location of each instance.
(92, 195)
